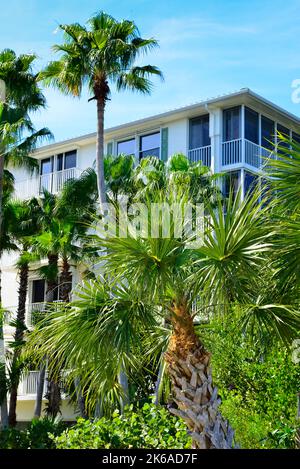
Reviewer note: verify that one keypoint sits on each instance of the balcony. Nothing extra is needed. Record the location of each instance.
(52, 182)
(34, 311)
(238, 151)
(202, 154)
(28, 386)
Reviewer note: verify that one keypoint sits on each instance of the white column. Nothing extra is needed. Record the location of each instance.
(215, 133)
(243, 132)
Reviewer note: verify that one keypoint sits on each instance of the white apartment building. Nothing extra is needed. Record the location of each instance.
(231, 133)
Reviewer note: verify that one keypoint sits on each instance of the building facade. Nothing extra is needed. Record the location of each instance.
(232, 134)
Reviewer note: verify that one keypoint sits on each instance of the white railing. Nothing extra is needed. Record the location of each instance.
(244, 151)
(35, 310)
(255, 155)
(28, 385)
(232, 152)
(202, 154)
(52, 182)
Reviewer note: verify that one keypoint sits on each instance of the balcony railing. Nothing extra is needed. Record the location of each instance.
(34, 312)
(52, 182)
(244, 151)
(202, 154)
(28, 385)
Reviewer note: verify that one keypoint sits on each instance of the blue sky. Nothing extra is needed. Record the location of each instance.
(207, 48)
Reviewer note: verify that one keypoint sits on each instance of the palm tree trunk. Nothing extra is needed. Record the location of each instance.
(195, 396)
(40, 391)
(123, 380)
(100, 150)
(65, 286)
(53, 394)
(51, 286)
(80, 399)
(19, 334)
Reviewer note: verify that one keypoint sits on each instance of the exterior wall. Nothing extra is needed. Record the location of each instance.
(25, 409)
(178, 137)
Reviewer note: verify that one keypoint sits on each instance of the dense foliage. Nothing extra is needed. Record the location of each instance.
(148, 427)
(258, 383)
(38, 435)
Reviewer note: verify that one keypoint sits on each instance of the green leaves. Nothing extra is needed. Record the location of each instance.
(147, 427)
(105, 51)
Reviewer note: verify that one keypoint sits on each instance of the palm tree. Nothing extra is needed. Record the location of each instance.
(101, 55)
(21, 225)
(22, 96)
(148, 280)
(64, 220)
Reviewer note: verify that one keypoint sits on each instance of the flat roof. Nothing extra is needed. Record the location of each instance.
(249, 96)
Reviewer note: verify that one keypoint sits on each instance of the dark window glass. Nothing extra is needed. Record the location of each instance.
(47, 165)
(150, 145)
(286, 133)
(250, 182)
(59, 164)
(231, 124)
(267, 133)
(126, 146)
(296, 137)
(199, 132)
(231, 183)
(70, 159)
(38, 291)
(251, 125)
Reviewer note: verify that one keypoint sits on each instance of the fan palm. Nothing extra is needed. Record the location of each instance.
(149, 280)
(101, 55)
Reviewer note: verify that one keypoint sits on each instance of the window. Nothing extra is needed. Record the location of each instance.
(127, 147)
(251, 125)
(231, 123)
(286, 133)
(296, 137)
(231, 183)
(150, 145)
(267, 133)
(66, 160)
(46, 165)
(38, 291)
(250, 182)
(199, 132)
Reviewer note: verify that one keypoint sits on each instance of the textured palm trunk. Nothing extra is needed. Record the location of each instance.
(65, 286)
(80, 399)
(40, 391)
(100, 150)
(19, 335)
(194, 394)
(53, 386)
(53, 394)
(3, 403)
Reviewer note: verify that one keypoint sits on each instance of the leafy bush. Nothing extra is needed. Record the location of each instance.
(35, 436)
(258, 383)
(148, 427)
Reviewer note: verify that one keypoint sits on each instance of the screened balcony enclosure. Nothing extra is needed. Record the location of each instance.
(248, 137)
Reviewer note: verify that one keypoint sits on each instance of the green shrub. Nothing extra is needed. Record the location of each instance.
(258, 383)
(35, 436)
(148, 427)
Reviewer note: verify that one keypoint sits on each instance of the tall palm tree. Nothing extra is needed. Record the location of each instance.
(23, 95)
(64, 220)
(100, 55)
